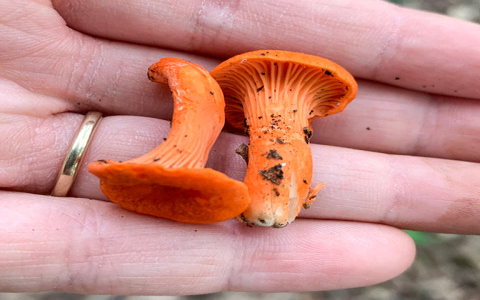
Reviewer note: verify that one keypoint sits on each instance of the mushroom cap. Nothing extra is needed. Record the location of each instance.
(183, 194)
(325, 87)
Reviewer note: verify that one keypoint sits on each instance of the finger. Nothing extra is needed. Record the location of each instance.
(93, 247)
(409, 192)
(372, 39)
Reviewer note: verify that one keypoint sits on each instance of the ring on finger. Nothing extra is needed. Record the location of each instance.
(76, 153)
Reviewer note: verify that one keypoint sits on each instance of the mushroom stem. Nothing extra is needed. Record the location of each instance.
(192, 135)
(270, 178)
(279, 171)
(170, 181)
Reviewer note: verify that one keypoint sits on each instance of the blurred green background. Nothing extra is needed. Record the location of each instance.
(447, 267)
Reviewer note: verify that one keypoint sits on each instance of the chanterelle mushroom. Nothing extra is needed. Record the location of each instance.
(171, 181)
(274, 95)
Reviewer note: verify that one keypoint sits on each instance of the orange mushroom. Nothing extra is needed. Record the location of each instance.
(171, 181)
(273, 96)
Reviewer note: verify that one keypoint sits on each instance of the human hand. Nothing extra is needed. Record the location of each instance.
(415, 115)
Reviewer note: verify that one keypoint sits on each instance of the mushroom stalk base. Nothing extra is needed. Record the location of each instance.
(278, 177)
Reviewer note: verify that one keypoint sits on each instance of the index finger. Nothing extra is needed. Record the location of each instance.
(372, 39)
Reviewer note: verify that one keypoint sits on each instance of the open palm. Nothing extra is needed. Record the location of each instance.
(405, 154)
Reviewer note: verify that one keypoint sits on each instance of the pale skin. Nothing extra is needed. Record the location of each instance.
(418, 97)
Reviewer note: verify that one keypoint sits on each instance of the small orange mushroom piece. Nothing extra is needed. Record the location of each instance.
(171, 181)
(273, 96)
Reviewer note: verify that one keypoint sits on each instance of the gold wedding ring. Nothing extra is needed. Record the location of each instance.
(75, 154)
